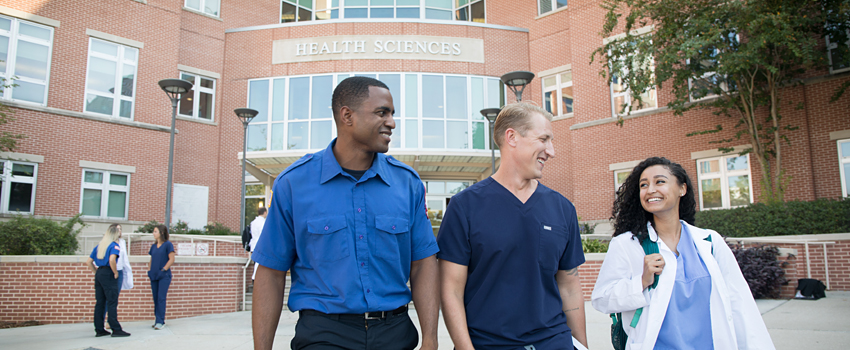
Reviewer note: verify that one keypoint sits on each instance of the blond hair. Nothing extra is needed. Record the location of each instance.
(516, 116)
(112, 234)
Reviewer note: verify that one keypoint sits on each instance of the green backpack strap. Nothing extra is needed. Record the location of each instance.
(709, 241)
(649, 247)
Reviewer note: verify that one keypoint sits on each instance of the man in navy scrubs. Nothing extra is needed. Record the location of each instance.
(510, 249)
(350, 225)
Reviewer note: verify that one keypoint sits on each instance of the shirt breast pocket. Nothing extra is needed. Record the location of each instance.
(328, 238)
(552, 244)
(391, 236)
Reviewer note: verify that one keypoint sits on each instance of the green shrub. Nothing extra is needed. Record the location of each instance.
(594, 246)
(218, 229)
(147, 228)
(33, 236)
(586, 228)
(788, 218)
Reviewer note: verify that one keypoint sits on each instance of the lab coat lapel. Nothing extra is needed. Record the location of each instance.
(718, 283)
(661, 294)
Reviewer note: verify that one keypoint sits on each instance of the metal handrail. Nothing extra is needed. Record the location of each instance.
(191, 238)
(245, 283)
(804, 241)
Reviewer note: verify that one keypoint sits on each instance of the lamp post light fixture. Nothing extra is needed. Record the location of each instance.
(491, 114)
(517, 81)
(245, 115)
(174, 88)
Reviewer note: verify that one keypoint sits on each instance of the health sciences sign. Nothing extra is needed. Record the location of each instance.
(378, 47)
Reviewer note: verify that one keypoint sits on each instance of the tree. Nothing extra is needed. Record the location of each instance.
(732, 57)
(8, 140)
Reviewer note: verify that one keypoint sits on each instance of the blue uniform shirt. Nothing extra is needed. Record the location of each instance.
(113, 249)
(159, 256)
(687, 324)
(348, 243)
(513, 251)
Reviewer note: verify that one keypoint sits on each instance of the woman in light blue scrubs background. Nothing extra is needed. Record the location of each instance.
(701, 299)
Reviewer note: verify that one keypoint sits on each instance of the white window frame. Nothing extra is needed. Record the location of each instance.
(399, 133)
(203, 7)
(7, 178)
(553, 6)
(298, 6)
(197, 89)
(340, 10)
(14, 36)
(617, 184)
(723, 174)
(845, 187)
(724, 85)
(468, 7)
(626, 94)
(104, 189)
(117, 96)
(558, 88)
(832, 46)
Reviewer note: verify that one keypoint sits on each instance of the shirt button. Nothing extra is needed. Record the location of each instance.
(368, 291)
(361, 236)
(393, 227)
(326, 228)
(359, 209)
(362, 264)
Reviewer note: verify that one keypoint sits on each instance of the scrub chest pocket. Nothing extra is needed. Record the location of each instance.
(328, 238)
(553, 242)
(391, 234)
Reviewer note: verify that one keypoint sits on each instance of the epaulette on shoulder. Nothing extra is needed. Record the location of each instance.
(306, 158)
(400, 164)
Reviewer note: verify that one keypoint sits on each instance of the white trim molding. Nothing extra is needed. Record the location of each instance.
(717, 153)
(115, 39)
(555, 70)
(623, 165)
(32, 158)
(108, 167)
(636, 32)
(198, 71)
(29, 17)
(839, 135)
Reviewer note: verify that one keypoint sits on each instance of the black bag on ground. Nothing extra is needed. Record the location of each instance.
(808, 288)
(246, 238)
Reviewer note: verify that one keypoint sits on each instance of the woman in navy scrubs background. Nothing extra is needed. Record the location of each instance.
(103, 261)
(162, 257)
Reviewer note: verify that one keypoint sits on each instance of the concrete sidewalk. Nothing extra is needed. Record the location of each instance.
(794, 324)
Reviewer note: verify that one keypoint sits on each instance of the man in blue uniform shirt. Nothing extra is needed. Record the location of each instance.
(349, 223)
(510, 247)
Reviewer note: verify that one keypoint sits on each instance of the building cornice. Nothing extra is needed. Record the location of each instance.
(373, 20)
(80, 115)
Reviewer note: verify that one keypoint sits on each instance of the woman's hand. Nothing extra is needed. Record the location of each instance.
(653, 264)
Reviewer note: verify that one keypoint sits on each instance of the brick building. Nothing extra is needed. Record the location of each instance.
(93, 149)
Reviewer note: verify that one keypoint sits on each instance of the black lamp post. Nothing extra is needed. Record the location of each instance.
(517, 81)
(491, 114)
(245, 115)
(174, 88)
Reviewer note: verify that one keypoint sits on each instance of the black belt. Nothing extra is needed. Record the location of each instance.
(374, 315)
(103, 267)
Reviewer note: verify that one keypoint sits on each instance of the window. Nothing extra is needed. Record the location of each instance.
(210, 7)
(620, 177)
(550, 5)
(307, 10)
(724, 182)
(470, 10)
(105, 194)
(111, 79)
(433, 111)
(298, 10)
(437, 197)
(839, 55)
(25, 49)
(622, 102)
(17, 186)
(844, 163)
(710, 84)
(200, 101)
(558, 93)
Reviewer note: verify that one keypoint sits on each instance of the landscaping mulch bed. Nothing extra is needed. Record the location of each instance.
(4, 324)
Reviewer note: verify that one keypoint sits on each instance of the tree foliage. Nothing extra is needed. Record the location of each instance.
(732, 57)
(8, 140)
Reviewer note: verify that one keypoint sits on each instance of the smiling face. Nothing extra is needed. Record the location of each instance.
(660, 191)
(535, 147)
(372, 121)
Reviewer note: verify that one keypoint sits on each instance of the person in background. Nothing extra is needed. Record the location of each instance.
(103, 262)
(125, 272)
(162, 257)
(256, 231)
(700, 299)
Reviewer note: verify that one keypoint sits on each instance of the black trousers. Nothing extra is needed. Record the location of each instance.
(343, 332)
(106, 294)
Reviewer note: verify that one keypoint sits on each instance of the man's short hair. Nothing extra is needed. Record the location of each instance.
(516, 116)
(352, 92)
(261, 211)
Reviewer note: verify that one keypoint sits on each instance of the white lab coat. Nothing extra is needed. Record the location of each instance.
(123, 264)
(735, 319)
(256, 230)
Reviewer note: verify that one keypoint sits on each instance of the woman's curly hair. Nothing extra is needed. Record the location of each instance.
(629, 216)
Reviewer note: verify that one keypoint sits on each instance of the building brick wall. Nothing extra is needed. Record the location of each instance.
(63, 292)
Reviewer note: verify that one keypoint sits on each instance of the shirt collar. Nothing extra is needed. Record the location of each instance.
(331, 168)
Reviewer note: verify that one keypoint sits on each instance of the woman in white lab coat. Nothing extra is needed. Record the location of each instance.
(701, 300)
